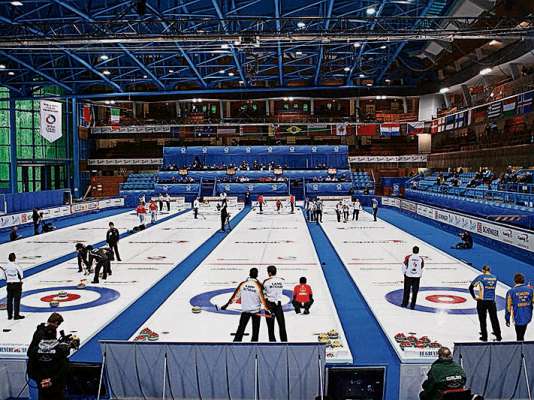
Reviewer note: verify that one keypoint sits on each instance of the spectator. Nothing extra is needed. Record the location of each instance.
(444, 375)
(13, 235)
(467, 241)
(302, 296)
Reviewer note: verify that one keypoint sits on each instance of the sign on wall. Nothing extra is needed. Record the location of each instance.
(51, 120)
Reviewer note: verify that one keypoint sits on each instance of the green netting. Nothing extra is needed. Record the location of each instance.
(4, 172)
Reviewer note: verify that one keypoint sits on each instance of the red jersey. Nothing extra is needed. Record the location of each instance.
(302, 293)
(260, 199)
(153, 206)
(292, 199)
(140, 209)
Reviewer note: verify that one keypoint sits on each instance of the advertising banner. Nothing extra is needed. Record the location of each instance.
(51, 126)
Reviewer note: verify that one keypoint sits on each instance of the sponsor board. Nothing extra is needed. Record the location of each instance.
(125, 161)
(209, 201)
(408, 205)
(10, 220)
(516, 237)
(413, 158)
(13, 350)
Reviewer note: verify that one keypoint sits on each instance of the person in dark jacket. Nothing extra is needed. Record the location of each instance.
(103, 259)
(112, 239)
(444, 374)
(467, 241)
(224, 216)
(83, 257)
(13, 235)
(47, 360)
(36, 218)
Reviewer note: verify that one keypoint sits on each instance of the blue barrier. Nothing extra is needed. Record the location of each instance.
(257, 188)
(17, 202)
(293, 174)
(290, 156)
(478, 207)
(177, 188)
(325, 188)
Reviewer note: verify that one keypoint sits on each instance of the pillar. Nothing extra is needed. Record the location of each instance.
(12, 145)
(75, 150)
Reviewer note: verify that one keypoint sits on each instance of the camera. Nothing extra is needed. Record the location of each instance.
(72, 341)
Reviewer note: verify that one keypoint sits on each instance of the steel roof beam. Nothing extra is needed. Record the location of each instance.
(232, 48)
(401, 46)
(36, 71)
(321, 48)
(121, 46)
(186, 57)
(277, 4)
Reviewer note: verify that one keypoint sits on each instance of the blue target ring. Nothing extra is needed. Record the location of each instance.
(106, 296)
(395, 297)
(203, 300)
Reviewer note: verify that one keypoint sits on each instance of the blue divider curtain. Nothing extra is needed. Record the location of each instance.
(498, 370)
(213, 370)
(290, 156)
(26, 201)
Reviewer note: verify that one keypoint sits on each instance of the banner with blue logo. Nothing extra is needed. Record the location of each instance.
(256, 188)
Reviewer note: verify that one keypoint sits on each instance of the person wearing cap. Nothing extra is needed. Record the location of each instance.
(13, 275)
(444, 374)
(273, 287)
(486, 283)
(519, 304)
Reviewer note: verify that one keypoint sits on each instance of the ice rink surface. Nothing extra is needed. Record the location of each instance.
(147, 257)
(258, 241)
(373, 253)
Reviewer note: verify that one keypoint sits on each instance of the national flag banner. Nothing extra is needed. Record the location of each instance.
(449, 122)
(204, 130)
(495, 109)
(441, 124)
(366, 129)
(293, 129)
(415, 128)
(115, 115)
(478, 115)
(87, 115)
(390, 129)
(434, 126)
(524, 104)
(341, 129)
(319, 129)
(51, 116)
(508, 106)
(460, 120)
(223, 130)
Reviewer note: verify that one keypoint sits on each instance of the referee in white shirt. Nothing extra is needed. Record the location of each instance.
(412, 269)
(273, 287)
(14, 276)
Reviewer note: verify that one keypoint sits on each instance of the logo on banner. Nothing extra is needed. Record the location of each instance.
(204, 149)
(183, 150)
(269, 149)
(226, 149)
(315, 187)
(51, 120)
(314, 149)
(274, 187)
(339, 186)
(247, 149)
(336, 149)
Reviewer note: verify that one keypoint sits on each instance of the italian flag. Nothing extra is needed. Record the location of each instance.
(508, 107)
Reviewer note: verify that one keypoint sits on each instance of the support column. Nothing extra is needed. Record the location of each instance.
(221, 110)
(267, 107)
(404, 105)
(352, 109)
(227, 109)
(12, 145)
(312, 106)
(75, 150)
(467, 96)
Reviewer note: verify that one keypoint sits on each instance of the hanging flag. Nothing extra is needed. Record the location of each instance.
(508, 106)
(115, 115)
(524, 104)
(390, 129)
(460, 120)
(294, 129)
(449, 122)
(495, 109)
(87, 115)
(441, 124)
(341, 129)
(416, 128)
(366, 130)
(51, 126)
(434, 126)
(318, 129)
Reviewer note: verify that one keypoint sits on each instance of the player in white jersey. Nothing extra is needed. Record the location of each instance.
(413, 270)
(273, 287)
(250, 293)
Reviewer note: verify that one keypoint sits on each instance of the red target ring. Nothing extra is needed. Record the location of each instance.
(445, 299)
(55, 297)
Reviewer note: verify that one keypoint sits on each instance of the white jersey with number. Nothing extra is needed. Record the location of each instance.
(273, 287)
(413, 266)
(250, 294)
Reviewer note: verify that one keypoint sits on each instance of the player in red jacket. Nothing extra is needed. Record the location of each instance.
(141, 211)
(302, 296)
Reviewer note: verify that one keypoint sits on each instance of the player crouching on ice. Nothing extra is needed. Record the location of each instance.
(250, 293)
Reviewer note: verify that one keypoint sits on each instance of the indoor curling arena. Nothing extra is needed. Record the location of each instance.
(267, 199)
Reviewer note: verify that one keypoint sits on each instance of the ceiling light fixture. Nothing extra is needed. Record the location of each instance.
(346, 69)
(371, 11)
(301, 24)
(104, 57)
(11, 73)
(357, 44)
(444, 90)
(485, 71)
(2, 66)
(231, 74)
(16, 3)
(106, 72)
